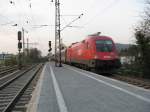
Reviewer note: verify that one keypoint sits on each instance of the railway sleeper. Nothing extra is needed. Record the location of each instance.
(20, 108)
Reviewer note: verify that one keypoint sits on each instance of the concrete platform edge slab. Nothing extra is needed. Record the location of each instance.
(33, 105)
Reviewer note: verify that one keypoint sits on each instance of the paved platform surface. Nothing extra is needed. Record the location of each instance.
(69, 89)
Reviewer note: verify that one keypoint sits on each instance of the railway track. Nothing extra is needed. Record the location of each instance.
(12, 88)
(3, 67)
(7, 70)
(5, 80)
(22, 104)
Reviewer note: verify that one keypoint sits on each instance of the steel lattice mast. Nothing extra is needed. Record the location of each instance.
(57, 34)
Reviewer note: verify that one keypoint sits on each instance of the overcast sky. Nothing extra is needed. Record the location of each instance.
(114, 18)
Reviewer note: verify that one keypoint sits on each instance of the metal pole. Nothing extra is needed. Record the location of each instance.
(55, 32)
(19, 60)
(27, 46)
(23, 39)
(60, 64)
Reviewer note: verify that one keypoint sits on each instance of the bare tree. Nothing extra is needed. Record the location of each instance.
(142, 35)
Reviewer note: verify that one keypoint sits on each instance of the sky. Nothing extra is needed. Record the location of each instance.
(114, 18)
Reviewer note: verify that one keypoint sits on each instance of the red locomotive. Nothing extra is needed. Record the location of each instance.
(95, 52)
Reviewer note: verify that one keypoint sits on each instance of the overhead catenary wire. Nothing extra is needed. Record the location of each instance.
(8, 20)
(3, 15)
(72, 22)
(17, 6)
(65, 22)
(108, 7)
(31, 12)
(7, 23)
(20, 18)
(68, 15)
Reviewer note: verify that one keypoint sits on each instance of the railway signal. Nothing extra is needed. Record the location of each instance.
(50, 48)
(19, 48)
(20, 45)
(19, 35)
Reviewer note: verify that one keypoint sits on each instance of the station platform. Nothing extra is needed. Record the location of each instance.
(70, 89)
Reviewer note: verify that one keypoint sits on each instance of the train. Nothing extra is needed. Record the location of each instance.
(95, 52)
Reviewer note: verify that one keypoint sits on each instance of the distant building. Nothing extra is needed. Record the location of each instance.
(4, 56)
(127, 59)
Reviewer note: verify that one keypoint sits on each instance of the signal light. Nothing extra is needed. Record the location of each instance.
(49, 46)
(19, 35)
(20, 45)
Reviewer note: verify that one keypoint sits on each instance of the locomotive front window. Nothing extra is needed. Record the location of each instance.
(104, 45)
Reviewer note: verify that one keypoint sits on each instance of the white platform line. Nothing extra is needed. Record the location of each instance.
(111, 85)
(59, 96)
(114, 80)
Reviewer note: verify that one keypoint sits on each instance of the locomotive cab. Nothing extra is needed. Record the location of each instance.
(105, 57)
